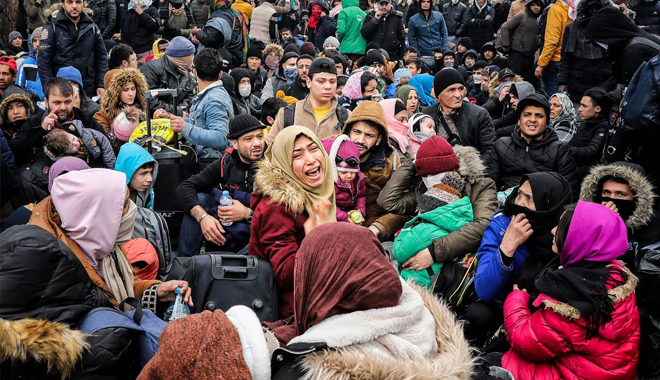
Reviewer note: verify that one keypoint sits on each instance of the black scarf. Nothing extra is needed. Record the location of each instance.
(584, 286)
(551, 192)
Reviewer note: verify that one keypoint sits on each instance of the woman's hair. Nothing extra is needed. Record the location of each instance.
(57, 142)
(562, 227)
(367, 77)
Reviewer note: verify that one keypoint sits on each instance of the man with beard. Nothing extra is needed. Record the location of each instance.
(28, 141)
(624, 188)
(298, 89)
(234, 172)
(531, 148)
(367, 128)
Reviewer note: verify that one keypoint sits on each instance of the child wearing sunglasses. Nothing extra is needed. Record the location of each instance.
(350, 183)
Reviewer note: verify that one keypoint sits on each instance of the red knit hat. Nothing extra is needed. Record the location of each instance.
(9, 61)
(435, 156)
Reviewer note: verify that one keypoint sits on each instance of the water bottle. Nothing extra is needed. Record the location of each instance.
(178, 309)
(225, 200)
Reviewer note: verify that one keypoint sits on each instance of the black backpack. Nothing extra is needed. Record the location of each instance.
(290, 112)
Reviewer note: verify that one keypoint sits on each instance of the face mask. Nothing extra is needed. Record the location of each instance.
(272, 62)
(625, 207)
(432, 180)
(454, 2)
(244, 90)
(493, 2)
(127, 225)
(290, 74)
(449, 64)
(477, 78)
(422, 137)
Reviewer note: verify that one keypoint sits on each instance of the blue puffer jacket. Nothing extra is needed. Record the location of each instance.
(648, 14)
(80, 46)
(131, 156)
(492, 275)
(208, 123)
(427, 34)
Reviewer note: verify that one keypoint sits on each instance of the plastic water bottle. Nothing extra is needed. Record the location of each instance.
(225, 200)
(178, 309)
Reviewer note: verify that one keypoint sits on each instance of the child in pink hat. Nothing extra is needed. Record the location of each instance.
(350, 183)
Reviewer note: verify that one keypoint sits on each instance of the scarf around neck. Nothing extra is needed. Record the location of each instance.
(183, 64)
(115, 268)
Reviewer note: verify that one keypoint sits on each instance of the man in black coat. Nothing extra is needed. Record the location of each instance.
(385, 28)
(72, 39)
(138, 26)
(531, 148)
(234, 172)
(459, 122)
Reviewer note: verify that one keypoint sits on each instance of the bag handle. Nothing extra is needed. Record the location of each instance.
(137, 305)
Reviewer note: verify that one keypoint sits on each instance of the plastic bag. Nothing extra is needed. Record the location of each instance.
(160, 130)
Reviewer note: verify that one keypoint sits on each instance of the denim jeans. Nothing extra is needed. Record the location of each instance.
(549, 77)
(190, 238)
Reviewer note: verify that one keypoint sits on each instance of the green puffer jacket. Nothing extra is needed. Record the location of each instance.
(349, 24)
(419, 233)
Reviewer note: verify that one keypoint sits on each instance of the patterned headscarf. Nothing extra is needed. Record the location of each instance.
(567, 116)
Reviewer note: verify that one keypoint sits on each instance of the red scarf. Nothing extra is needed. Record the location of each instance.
(315, 17)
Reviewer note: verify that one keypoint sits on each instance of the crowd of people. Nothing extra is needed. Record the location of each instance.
(370, 147)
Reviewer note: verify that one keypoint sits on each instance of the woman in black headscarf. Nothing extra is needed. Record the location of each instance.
(517, 244)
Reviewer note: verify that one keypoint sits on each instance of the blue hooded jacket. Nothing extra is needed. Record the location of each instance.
(131, 156)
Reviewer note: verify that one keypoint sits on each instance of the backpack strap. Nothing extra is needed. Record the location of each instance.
(642, 41)
(289, 115)
(342, 116)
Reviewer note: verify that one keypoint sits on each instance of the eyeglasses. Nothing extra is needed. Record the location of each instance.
(351, 161)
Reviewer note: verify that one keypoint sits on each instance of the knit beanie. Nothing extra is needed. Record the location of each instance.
(308, 48)
(71, 74)
(435, 156)
(448, 190)
(125, 123)
(254, 51)
(343, 153)
(465, 41)
(243, 124)
(291, 48)
(374, 57)
(332, 41)
(14, 35)
(9, 61)
(180, 47)
(37, 33)
(445, 78)
(189, 349)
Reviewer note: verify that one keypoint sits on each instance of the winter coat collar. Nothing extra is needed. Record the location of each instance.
(470, 164)
(273, 183)
(639, 184)
(451, 359)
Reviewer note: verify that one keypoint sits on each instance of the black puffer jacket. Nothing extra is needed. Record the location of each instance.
(588, 143)
(512, 157)
(105, 16)
(386, 32)
(455, 18)
(480, 30)
(162, 73)
(474, 125)
(137, 30)
(647, 14)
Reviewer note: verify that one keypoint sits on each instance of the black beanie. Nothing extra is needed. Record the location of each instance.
(373, 57)
(254, 51)
(445, 78)
(243, 124)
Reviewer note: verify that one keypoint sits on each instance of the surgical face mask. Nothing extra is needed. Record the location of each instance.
(477, 78)
(244, 90)
(290, 74)
(432, 180)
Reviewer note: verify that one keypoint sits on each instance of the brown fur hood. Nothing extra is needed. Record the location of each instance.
(52, 11)
(31, 341)
(638, 184)
(275, 184)
(452, 361)
(470, 164)
(4, 106)
(110, 99)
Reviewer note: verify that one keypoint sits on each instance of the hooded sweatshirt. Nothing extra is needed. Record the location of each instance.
(131, 157)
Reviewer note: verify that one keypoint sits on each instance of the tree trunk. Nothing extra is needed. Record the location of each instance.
(8, 19)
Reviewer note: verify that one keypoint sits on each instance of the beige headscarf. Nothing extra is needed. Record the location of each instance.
(280, 154)
(115, 268)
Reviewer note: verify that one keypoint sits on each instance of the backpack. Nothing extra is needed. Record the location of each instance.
(639, 105)
(290, 111)
(153, 227)
(144, 325)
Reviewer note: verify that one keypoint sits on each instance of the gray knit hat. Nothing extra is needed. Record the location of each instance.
(14, 35)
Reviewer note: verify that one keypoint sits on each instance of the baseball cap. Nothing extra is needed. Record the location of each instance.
(322, 65)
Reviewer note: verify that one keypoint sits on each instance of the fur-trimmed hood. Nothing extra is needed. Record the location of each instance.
(273, 49)
(110, 100)
(617, 294)
(4, 106)
(470, 164)
(274, 183)
(53, 10)
(638, 183)
(452, 360)
(32, 341)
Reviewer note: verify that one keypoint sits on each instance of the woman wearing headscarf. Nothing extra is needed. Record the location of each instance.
(562, 117)
(409, 97)
(90, 212)
(584, 324)
(295, 193)
(517, 244)
(423, 84)
(355, 318)
(397, 130)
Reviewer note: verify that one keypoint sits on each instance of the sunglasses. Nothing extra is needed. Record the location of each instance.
(351, 161)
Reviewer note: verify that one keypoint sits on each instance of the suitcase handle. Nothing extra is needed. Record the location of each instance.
(156, 93)
(234, 267)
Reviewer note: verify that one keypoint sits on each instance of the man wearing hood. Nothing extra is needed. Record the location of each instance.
(520, 39)
(531, 148)
(349, 21)
(479, 25)
(506, 124)
(624, 188)
(489, 54)
(298, 89)
(427, 30)
(286, 73)
(321, 25)
(385, 27)
(72, 39)
(454, 13)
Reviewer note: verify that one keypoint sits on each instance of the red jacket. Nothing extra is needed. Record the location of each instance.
(548, 344)
(277, 231)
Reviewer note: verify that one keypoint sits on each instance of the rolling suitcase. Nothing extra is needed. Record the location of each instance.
(223, 280)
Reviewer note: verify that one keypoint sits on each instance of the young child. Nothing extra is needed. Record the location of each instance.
(72, 139)
(420, 128)
(141, 170)
(350, 183)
